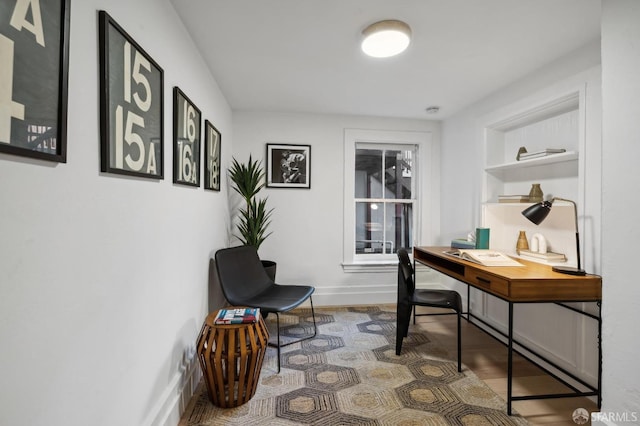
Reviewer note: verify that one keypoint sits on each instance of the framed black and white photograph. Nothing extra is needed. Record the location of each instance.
(212, 143)
(288, 166)
(186, 140)
(131, 105)
(34, 64)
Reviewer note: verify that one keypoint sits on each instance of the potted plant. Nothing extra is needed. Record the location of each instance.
(248, 180)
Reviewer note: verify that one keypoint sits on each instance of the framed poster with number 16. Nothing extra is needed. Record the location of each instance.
(186, 140)
(131, 105)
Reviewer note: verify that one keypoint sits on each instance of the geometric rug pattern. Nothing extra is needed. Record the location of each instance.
(349, 374)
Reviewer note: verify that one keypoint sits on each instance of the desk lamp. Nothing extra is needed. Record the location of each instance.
(538, 212)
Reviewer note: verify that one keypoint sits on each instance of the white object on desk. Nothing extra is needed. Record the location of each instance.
(538, 243)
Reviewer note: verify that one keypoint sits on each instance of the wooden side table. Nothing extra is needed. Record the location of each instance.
(231, 358)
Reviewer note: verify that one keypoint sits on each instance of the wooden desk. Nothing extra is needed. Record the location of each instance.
(531, 283)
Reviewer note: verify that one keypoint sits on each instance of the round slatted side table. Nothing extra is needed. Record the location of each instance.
(231, 358)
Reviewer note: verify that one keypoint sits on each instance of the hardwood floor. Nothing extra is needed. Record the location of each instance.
(487, 358)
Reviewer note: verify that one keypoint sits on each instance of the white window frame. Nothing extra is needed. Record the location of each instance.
(426, 181)
(382, 257)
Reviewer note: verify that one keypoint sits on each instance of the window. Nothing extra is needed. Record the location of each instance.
(384, 198)
(388, 176)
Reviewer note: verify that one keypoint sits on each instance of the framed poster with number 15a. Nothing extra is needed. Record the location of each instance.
(131, 105)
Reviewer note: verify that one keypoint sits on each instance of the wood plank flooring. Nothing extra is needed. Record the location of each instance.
(487, 358)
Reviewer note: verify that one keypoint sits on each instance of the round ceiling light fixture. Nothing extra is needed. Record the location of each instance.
(386, 38)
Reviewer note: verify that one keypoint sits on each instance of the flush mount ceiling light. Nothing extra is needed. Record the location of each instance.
(386, 38)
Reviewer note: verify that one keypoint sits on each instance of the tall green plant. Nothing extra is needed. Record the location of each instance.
(248, 180)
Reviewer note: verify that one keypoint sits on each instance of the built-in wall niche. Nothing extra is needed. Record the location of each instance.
(555, 117)
(557, 122)
(554, 124)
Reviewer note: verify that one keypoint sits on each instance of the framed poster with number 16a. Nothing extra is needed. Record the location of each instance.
(131, 105)
(186, 140)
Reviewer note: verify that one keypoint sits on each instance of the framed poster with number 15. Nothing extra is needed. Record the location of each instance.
(131, 105)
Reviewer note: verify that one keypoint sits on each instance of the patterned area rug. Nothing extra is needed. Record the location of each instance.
(349, 374)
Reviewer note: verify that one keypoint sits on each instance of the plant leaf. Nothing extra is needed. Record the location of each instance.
(248, 180)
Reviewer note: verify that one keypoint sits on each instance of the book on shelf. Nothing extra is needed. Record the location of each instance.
(538, 154)
(549, 256)
(237, 316)
(513, 198)
(463, 243)
(484, 257)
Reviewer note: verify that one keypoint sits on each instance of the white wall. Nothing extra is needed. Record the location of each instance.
(462, 139)
(463, 143)
(571, 345)
(103, 279)
(620, 150)
(621, 141)
(307, 224)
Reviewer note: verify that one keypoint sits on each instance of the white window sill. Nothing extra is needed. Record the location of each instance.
(375, 266)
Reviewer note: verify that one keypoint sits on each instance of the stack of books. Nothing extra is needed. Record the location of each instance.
(237, 316)
(513, 198)
(538, 154)
(549, 256)
(463, 243)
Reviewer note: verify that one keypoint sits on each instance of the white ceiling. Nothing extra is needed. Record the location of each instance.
(304, 55)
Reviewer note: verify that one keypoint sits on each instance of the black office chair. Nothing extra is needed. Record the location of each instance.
(245, 282)
(409, 297)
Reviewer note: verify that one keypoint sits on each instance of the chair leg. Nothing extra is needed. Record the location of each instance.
(313, 315)
(459, 345)
(403, 319)
(408, 322)
(280, 345)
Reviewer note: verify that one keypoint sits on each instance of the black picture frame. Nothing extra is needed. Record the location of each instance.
(288, 166)
(212, 148)
(186, 140)
(131, 105)
(34, 65)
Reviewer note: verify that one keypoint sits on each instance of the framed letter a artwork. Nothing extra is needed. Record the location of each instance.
(34, 58)
(131, 105)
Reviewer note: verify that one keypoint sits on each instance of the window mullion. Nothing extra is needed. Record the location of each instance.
(384, 227)
(384, 204)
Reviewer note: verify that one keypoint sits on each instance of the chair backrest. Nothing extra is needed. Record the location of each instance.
(406, 285)
(241, 273)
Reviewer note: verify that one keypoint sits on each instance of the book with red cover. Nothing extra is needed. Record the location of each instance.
(237, 316)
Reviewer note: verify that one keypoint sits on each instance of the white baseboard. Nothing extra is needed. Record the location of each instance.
(361, 295)
(364, 295)
(173, 401)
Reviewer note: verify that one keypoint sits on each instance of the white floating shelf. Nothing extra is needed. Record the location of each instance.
(535, 162)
